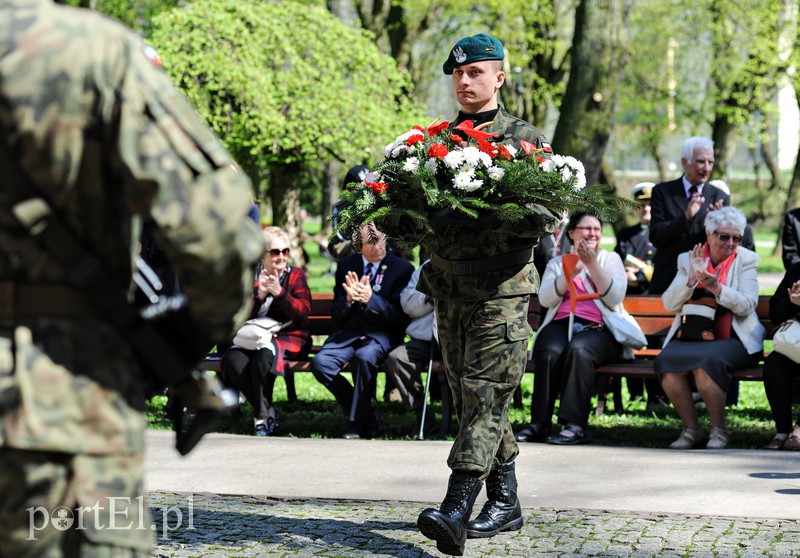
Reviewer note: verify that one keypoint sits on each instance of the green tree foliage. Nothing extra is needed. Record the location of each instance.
(746, 66)
(284, 87)
(136, 14)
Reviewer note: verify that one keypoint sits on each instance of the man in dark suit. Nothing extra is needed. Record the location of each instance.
(366, 308)
(679, 210)
(790, 238)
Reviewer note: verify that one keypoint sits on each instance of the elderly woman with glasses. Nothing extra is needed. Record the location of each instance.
(716, 330)
(567, 357)
(282, 294)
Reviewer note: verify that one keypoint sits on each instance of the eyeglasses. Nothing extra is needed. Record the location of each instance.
(589, 229)
(275, 252)
(726, 237)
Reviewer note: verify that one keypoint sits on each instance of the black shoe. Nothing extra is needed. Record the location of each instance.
(448, 525)
(534, 432)
(502, 510)
(579, 437)
(353, 431)
(374, 426)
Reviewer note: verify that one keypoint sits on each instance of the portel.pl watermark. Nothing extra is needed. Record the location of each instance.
(112, 513)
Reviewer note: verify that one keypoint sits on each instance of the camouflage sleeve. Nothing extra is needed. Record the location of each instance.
(179, 173)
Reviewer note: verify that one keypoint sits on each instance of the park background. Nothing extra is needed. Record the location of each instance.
(299, 91)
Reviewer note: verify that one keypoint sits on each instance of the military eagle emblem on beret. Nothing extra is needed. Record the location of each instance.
(459, 54)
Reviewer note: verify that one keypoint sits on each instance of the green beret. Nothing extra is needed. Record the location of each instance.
(473, 49)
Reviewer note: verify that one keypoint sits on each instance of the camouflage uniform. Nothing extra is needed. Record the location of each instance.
(482, 319)
(101, 132)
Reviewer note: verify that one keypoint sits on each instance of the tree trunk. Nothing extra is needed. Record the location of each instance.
(285, 197)
(772, 166)
(330, 193)
(724, 145)
(586, 114)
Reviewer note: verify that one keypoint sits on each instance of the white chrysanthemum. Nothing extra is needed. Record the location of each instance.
(566, 174)
(558, 160)
(495, 173)
(580, 181)
(454, 159)
(411, 165)
(464, 181)
(471, 155)
(547, 165)
(431, 164)
(511, 150)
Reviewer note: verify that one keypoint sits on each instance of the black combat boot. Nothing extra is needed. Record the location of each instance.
(448, 525)
(502, 511)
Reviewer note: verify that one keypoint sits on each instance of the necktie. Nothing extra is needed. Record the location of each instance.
(692, 191)
(368, 270)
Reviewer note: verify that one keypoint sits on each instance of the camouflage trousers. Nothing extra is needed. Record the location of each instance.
(60, 505)
(484, 349)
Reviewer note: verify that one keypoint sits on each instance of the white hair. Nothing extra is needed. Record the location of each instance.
(726, 217)
(693, 144)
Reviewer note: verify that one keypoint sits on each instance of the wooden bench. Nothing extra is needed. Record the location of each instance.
(648, 310)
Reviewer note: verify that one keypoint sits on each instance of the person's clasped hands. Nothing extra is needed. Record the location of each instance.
(268, 284)
(794, 293)
(357, 290)
(696, 202)
(698, 272)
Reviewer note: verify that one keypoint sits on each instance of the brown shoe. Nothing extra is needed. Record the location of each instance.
(776, 443)
(792, 443)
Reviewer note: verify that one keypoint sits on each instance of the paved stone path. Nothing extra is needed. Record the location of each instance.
(244, 527)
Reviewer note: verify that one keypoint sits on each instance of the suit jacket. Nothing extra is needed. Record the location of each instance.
(382, 318)
(671, 233)
(790, 237)
(739, 295)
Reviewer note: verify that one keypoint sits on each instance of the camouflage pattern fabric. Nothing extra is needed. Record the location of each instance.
(484, 352)
(100, 131)
(483, 326)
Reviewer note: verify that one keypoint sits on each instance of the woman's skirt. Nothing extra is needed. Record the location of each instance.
(718, 358)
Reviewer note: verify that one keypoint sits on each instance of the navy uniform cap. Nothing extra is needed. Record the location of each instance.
(473, 49)
(643, 191)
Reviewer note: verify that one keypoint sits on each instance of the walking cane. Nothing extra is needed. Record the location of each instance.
(568, 263)
(421, 435)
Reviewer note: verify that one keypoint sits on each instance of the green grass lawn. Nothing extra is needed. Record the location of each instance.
(316, 414)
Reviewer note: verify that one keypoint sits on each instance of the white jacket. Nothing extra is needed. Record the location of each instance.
(739, 295)
(612, 301)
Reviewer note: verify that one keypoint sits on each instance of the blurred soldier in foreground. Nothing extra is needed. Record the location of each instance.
(90, 125)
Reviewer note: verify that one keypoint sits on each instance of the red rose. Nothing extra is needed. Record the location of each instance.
(437, 150)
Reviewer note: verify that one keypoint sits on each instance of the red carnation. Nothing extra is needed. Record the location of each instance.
(437, 150)
(377, 187)
(503, 152)
(457, 139)
(416, 138)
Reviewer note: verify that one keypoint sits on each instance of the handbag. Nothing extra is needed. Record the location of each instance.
(625, 329)
(622, 325)
(257, 333)
(697, 320)
(786, 340)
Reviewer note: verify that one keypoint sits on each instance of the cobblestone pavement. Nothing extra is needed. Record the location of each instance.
(243, 527)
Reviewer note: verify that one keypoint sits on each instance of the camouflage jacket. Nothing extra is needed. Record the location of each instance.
(97, 128)
(483, 240)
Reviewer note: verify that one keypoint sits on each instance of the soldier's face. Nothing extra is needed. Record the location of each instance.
(698, 168)
(475, 85)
